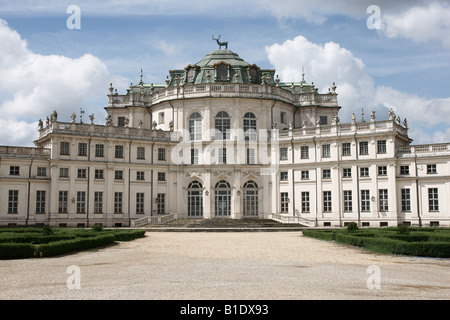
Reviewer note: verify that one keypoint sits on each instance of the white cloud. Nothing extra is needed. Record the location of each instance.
(356, 90)
(34, 85)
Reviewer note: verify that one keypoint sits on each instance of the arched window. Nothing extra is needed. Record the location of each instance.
(195, 200)
(222, 126)
(249, 126)
(195, 126)
(222, 72)
(250, 199)
(222, 199)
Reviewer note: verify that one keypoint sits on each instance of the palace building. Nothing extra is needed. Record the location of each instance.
(224, 139)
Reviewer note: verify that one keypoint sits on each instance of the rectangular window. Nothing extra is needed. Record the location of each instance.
(140, 154)
(326, 174)
(381, 146)
(364, 147)
(98, 174)
(82, 149)
(41, 171)
(161, 176)
(161, 203)
(118, 175)
(161, 117)
(304, 152)
(64, 148)
(40, 201)
(81, 173)
(305, 202)
(364, 172)
(348, 207)
(327, 201)
(283, 176)
(404, 169)
(283, 153)
(347, 172)
(406, 200)
(283, 117)
(222, 156)
(121, 121)
(62, 201)
(382, 170)
(98, 202)
(194, 156)
(140, 175)
(81, 201)
(14, 170)
(13, 201)
(326, 151)
(323, 120)
(99, 150)
(117, 202)
(346, 149)
(365, 200)
(161, 154)
(383, 199)
(284, 202)
(140, 203)
(305, 174)
(433, 199)
(118, 154)
(250, 156)
(63, 172)
(431, 168)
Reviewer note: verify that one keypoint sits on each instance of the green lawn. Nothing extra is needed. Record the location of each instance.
(411, 241)
(19, 243)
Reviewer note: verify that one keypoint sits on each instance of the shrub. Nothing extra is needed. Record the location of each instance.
(60, 247)
(16, 250)
(352, 226)
(403, 229)
(97, 227)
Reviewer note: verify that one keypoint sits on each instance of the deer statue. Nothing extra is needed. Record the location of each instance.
(225, 44)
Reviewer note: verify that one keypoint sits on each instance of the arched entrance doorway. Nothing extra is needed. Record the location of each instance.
(195, 200)
(250, 199)
(222, 199)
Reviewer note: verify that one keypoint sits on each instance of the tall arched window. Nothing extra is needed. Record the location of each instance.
(222, 126)
(195, 200)
(222, 199)
(195, 126)
(222, 72)
(250, 199)
(249, 126)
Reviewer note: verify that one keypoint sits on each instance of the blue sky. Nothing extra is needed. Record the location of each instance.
(404, 65)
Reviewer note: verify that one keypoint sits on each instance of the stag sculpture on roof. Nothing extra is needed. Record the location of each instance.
(225, 44)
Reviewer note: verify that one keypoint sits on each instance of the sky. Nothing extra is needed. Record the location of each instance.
(62, 55)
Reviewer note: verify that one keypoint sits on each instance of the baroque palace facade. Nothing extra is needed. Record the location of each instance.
(224, 139)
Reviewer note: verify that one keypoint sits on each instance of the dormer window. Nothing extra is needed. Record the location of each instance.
(254, 74)
(222, 72)
(190, 73)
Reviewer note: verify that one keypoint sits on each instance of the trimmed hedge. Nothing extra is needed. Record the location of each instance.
(59, 247)
(16, 250)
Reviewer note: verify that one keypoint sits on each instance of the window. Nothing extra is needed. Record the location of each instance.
(140, 153)
(250, 156)
(249, 124)
(323, 120)
(14, 170)
(383, 199)
(161, 154)
(283, 153)
(254, 75)
(347, 172)
(99, 150)
(404, 169)
(40, 201)
(304, 152)
(161, 203)
(283, 176)
(41, 172)
(222, 199)
(98, 202)
(326, 151)
(305, 174)
(364, 147)
(140, 203)
(250, 199)
(195, 199)
(118, 202)
(140, 175)
(98, 174)
(121, 121)
(63, 172)
(433, 201)
(326, 174)
(382, 170)
(364, 172)
(431, 168)
(161, 176)
(381, 146)
(194, 156)
(195, 126)
(305, 201)
(62, 201)
(118, 154)
(327, 201)
(365, 200)
(81, 173)
(82, 149)
(284, 202)
(190, 75)
(64, 148)
(222, 126)
(161, 117)
(283, 117)
(346, 149)
(222, 72)
(118, 175)
(81, 201)
(222, 156)
(406, 199)
(348, 201)
(13, 201)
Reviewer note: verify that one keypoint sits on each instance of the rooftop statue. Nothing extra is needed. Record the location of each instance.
(225, 44)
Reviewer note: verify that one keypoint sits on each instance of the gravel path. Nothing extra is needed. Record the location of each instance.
(227, 265)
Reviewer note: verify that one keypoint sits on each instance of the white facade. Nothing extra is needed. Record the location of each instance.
(225, 139)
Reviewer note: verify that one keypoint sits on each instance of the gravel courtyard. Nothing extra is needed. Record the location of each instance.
(227, 265)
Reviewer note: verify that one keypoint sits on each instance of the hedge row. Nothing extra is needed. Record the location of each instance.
(34, 238)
